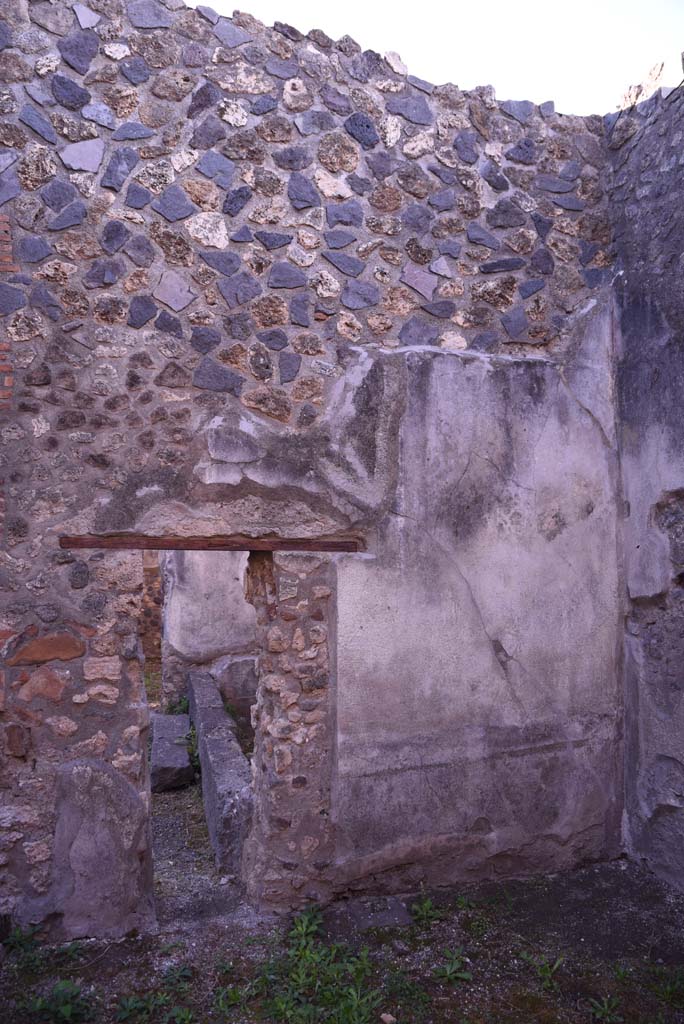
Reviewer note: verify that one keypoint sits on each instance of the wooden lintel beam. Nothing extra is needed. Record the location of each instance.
(226, 542)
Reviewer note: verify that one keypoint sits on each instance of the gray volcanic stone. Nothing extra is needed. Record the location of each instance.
(148, 14)
(336, 101)
(169, 324)
(420, 280)
(114, 236)
(28, 115)
(103, 273)
(137, 196)
(231, 35)
(236, 201)
(350, 265)
(443, 200)
(313, 122)
(141, 251)
(86, 17)
(226, 772)
(302, 193)
(84, 156)
(239, 289)
(7, 158)
(284, 275)
(100, 113)
(204, 97)
(502, 265)
(70, 217)
(273, 239)
(421, 84)
(550, 183)
(417, 217)
(339, 239)
(515, 322)
(5, 35)
(505, 215)
(292, 158)
(524, 152)
(170, 766)
(349, 212)
(417, 331)
(541, 261)
(493, 176)
(381, 164)
(415, 109)
(135, 69)
(480, 236)
(32, 249)
(79, 49)
(208, 13)
(531, 287)
(68, 93)
(101, 820)
(118, 168)
(11, 299)
(173, 204)
(132, 130)
(443, 309)
(361, 127)
(570, 170)
(299, 310)
(282, 68)
(217, 167)
(360, 295)
(174, 291)
(204, 339)
(449, 247)
(289, 364)
(42, 298)
(211, 376)
(521, 110)
(465, 144)
(568, 202)
(542, 224)
(227, 263)
(264, 105)
(57, 194)
(141, 310)
(274, 339)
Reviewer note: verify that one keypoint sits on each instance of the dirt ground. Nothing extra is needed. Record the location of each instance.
(605, 943)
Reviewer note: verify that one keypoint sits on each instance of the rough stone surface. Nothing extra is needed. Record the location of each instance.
(226, 773)
(387, 315)
(170, 766)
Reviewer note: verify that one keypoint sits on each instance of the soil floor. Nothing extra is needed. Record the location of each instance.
(604, 943)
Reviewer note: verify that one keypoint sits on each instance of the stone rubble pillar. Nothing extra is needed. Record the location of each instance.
(290, 849)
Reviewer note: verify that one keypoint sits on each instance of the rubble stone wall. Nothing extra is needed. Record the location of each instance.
(272, 284)
(646, 190)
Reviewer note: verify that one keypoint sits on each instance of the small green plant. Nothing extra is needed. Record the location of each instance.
(453, 969)
(425, 913)
(406, 994)
(545, 968)
(23, 945)
(71, 952)
(193, 752)
(668, 986)
(465, 903)
(622, 972)
(177, 979)
(179, 706)
(141, 1008)
(314, 982)
(180, 1015)
(605, 1009)
(65, 1004)
(227, 998)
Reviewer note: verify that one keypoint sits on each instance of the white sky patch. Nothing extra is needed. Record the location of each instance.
(583, 54)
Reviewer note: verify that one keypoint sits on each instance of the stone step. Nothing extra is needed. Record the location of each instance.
(226, 772)
(170, 762)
